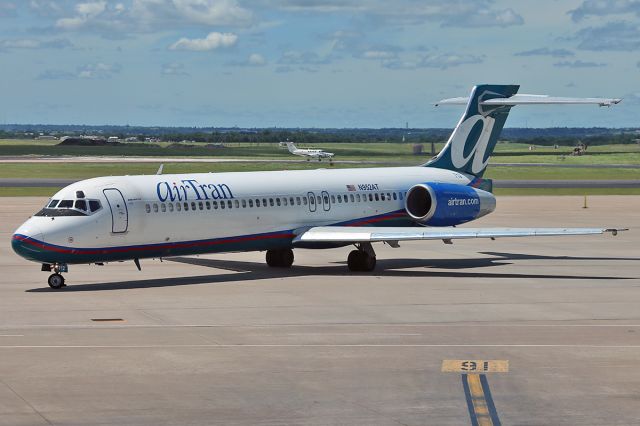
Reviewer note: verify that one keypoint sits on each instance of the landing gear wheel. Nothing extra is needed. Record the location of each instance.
(359, 261)
(280, 258)
(286, 258)
(56, 281)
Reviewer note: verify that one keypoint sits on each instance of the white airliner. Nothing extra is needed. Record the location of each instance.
(309, 152)
(110, 219)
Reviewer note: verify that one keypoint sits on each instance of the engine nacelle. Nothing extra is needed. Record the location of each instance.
(447, 204)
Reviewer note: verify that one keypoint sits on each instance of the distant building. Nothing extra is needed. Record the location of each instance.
(113, 139)
(46, 138)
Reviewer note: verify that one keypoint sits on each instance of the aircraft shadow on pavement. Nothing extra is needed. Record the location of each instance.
(241, 271)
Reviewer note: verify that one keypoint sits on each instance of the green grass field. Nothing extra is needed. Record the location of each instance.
(384, 152)
(87, 170)
(388, 152)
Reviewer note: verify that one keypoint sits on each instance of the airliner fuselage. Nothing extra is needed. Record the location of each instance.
(168, 215)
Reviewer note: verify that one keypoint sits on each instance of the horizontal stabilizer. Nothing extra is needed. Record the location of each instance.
(360, 234)
(523, 99)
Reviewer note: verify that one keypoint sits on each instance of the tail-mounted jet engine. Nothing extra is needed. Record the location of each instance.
(446, 204)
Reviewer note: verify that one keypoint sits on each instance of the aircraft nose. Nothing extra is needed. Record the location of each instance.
(26, 240)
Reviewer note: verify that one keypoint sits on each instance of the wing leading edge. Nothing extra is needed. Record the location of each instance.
(361, 234)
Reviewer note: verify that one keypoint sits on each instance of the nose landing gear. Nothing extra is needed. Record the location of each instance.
(56, 280)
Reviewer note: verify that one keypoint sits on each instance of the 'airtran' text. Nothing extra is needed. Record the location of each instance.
(190, 189)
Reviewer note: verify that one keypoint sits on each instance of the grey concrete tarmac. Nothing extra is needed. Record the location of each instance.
(222, 339)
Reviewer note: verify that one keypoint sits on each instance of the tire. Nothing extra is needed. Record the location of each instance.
(354, 261)
(359, 261)
(272, 258)
(56, 281)
(286, 258)
(280, 258)
(368, 263)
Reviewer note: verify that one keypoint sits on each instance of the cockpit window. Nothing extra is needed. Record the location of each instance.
(76, 207)
(81, 205)
(59, 212)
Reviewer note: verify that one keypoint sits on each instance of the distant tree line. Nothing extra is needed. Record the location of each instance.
(546, 136)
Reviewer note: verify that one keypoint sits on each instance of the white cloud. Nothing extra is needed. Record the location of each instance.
(85, 12)
(97, 71)
(212, 12)
(34, 44)
(590, 8)
(213, 41)
(256, 60)
(378, 54)
(579, 64)
(174, 69)
(141, 16)
(442, 61)
(253, 60)
(545, 51)
(613, 36)
(456, 13)
(7, 9)
(295, 57)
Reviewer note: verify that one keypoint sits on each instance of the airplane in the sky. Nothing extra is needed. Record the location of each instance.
(310, 153)
(109, 219)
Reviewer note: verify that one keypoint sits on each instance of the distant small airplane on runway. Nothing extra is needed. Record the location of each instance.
(309, 153)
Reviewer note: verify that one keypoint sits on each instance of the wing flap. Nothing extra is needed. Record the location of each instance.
(359, 234)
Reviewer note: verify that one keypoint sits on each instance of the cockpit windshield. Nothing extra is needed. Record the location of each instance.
(70, 207)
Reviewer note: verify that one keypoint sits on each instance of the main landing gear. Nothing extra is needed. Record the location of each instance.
(363, 259)
(56, 280)
(280, 258)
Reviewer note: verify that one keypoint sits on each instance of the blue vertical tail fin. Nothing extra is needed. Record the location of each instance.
(474, 138)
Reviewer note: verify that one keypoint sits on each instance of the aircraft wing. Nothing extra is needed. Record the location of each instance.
(361, 234)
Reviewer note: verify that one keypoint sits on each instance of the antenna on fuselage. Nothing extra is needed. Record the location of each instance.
(159, 172)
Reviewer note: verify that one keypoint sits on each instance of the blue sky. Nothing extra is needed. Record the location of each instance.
(311, 63)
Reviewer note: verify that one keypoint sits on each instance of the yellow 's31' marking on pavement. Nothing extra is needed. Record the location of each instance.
(475, 366)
